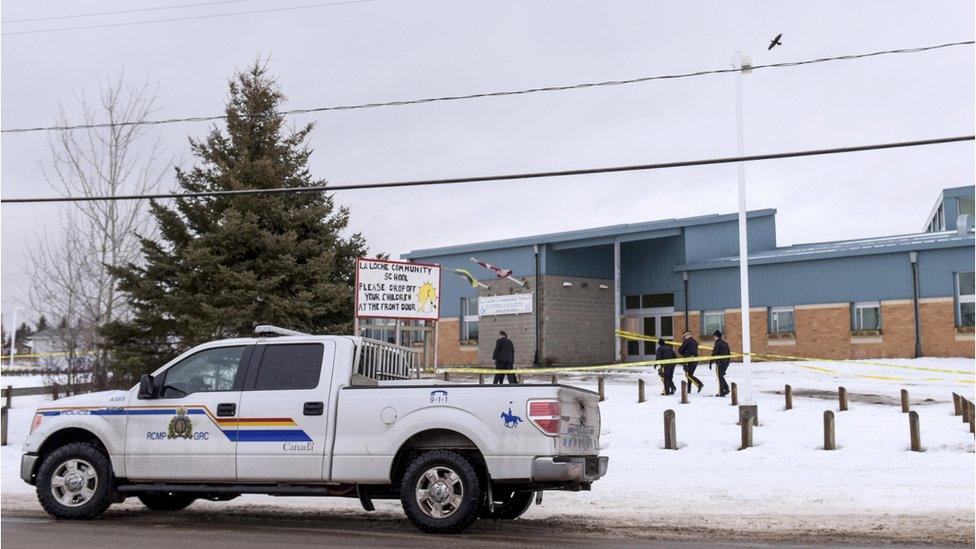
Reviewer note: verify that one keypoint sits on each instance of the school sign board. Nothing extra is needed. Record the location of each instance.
(397, 289)
(511, 304)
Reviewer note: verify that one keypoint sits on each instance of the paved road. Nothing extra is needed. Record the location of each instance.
(289, 528)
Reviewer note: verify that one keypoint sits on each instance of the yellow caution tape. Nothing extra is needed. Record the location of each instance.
(558, 369)
(640, 337)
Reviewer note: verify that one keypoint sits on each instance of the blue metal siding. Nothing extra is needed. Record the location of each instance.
(453, 287)
(592, 262)
(847, 279)
(936, 270)
(647, 267)
(704, 242)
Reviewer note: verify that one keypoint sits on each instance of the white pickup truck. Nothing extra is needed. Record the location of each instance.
(313, 416)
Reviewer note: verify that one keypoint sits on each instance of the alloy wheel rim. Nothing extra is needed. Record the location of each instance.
(439, 492)
(74, 482)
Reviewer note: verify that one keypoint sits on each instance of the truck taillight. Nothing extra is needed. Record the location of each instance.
(544, 414)
(38, 418)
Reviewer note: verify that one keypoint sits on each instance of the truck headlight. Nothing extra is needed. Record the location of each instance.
(38, 418)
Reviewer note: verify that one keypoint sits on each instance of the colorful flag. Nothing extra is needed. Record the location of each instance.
(501, 273)
(470, 278)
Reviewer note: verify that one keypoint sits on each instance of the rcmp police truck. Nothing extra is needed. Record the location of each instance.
(302, 415)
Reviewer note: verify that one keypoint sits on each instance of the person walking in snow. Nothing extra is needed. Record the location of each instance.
(721, 348)
(504, 357)
(666, 371)
(689, 348)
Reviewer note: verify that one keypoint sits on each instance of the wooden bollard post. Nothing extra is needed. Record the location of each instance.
(734, 393)
(481, 379)
(972, 418)
(913, 431)
(670, 431)
(788, 393)
(904, 401)
(600, 388)
(552, 380)
(956, 405)
(745, 419)
(842, 398)
(10, 395)
(684, 392)
(3, 424)
(55, 391)
(640, 390)
(519, 379)
(965, 409)
(830, 440)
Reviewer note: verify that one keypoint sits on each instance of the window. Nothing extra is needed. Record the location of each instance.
(469, 319)
(632, 302)
(648, 301)
(289, 367)
(866, 316)
(966, 298)
(967, 207)
(713, 320)
(206, 371)
(781, 320)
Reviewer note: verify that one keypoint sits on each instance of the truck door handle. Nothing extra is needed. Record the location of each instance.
(313, 408)
(226, 409)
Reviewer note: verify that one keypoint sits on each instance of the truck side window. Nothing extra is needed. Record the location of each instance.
(289, 367)
(206, 371)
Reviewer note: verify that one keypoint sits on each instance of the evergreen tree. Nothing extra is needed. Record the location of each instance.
(42, 324)
(222, 265)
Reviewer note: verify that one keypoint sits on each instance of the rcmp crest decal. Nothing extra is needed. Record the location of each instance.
(180, 426)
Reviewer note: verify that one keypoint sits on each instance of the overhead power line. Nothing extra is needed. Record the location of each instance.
(187, 18)
(527, 91)
(122, 12)
(502, 177)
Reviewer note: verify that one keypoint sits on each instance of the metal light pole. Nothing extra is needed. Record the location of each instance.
(13, 338)
(743, 64)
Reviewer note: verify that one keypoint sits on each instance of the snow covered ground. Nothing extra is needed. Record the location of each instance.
(785, 482)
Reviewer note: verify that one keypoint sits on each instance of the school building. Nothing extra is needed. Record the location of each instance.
(894, 296)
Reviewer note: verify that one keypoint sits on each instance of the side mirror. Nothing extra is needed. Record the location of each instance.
(146, 387)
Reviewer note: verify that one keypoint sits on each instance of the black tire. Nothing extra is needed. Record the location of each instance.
(93, 473)
(509, 505)
(166, 502)
(460, 515)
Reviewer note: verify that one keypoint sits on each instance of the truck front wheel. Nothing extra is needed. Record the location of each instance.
(440, 492)
(166, 502)
(75, 482)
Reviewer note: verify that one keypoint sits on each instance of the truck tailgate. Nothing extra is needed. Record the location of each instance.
(579, 425)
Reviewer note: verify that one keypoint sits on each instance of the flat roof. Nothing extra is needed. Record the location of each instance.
(585, 234)
(843, 248)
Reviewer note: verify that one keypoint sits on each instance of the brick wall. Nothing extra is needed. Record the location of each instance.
(939, 336)
(577, 321)
(450, 352)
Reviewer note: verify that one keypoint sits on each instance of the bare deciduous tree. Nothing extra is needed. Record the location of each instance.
(70, 280)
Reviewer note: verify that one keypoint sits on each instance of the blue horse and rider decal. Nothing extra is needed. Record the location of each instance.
(511, 420)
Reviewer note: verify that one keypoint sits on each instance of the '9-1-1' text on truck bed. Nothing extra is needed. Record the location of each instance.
(303, 415)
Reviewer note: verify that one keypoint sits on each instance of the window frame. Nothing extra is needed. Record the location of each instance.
(254, 366)
(704, 321)
(856, 315)
(466, 318)
(961, 299)
(773, 319)
(237, 385)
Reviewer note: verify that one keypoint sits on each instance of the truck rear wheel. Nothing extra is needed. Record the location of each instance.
(75, 482)
(166, 502)
(508, 504)
(440, 492)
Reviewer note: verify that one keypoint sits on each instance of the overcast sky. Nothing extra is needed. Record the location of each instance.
(400, 49)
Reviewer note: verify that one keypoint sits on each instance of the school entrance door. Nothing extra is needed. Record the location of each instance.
(652, 324)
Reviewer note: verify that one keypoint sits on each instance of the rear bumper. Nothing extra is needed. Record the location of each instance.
(569, 469)
(27, 462)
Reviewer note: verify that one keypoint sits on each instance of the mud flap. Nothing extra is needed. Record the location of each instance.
(364, 498)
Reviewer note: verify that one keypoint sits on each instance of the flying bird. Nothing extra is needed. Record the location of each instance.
(775, 42)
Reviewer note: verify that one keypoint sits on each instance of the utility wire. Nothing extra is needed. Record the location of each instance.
(502, 177)
(527, 91)
(187, 18)
(121, 12)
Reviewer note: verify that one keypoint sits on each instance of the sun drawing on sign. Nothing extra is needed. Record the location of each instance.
(426, 298)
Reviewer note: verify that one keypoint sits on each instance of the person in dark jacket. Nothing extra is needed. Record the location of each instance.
(721, 348)
(689, 348)
(666, 371)
(504, 357)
